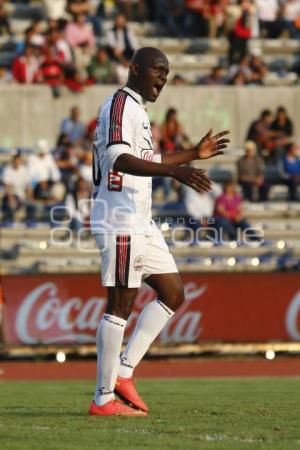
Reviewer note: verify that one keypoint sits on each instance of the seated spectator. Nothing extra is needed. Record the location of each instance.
(85, 168)
(268, 12)
(229, 217)
(258, 70)
(196, 20)
(132, 9)
(4, 17)
(178, 80)
(25, 67)
(17, 189)
(173, 16)
(90, 131)
(291, 17)
(121, 40)
(102, 70)
(51, 70)
(34, 34)
(63, 51)
(259, 132)
(79, 33)
(81, 38)
(55, 9)
(122, 67)
(215, 78)
(283, 126)
(251, 174)
(289, 167)
(173, 136)
(41, 165)
(240, 73)
(75, 80)
(67, 162)
(200, 206)
(5, 75)
(73, 127)
(78, 205)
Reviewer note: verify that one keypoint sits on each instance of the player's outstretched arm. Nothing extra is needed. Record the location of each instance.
(208, 147)
(197, 179)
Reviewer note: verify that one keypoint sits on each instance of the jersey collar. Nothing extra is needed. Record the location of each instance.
(136, 96)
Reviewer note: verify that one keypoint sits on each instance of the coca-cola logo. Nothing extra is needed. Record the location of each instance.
(292, 316)
(45, 317)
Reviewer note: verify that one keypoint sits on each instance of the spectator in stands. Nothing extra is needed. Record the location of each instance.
(73, 127)
(241, 33)
(25, 67)
(251, 174)
(173, 16)
(132, 9)
(51, 70)
(196, 21)
(5, 75)
(4, 18)
(41, 165)
(102, 70)
(259, 132)
(258, 70)
(55, 9)
(228, 214)
(122, 67)
(291, 18)
(63, 51)
(283, 125)
(67, 162)
(215, 78)
(85, 168)
(289, 168)
(78, 205)
(178, 80)
(121, 40)
(240, 73)
(17, 189)
(200, 206)
(34, 34)
(79, 33)
(75, 80)
(90, 131)
(173, 136)
(268, 14)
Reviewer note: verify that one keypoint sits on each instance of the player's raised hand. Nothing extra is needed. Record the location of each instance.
(197, 179)
(211, 146)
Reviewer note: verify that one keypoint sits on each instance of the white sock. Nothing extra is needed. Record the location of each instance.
(109, 340)
(151, 321)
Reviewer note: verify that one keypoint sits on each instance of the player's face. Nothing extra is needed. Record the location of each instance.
(153, 79)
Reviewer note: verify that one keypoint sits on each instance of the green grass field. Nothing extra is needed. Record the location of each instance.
(235, 414)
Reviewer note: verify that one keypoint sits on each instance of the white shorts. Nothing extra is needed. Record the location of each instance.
(126, 260)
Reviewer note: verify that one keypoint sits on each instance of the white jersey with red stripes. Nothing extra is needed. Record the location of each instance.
(122, 202)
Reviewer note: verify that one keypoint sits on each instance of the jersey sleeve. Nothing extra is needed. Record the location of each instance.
(120, 128)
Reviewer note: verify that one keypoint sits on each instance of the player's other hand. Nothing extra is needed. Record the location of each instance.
(197, 179)
(211, 146)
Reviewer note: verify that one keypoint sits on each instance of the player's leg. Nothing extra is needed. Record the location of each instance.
(152, 319)
(111, 328)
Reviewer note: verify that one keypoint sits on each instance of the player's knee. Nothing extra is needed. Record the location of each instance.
(177, 297)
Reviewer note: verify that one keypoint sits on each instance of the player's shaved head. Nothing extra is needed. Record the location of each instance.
(146, 55)
(148, 72)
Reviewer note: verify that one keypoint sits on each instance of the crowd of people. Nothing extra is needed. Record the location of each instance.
(67, 44)
(62, 176)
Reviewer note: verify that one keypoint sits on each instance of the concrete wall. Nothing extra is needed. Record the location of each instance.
(29, 113)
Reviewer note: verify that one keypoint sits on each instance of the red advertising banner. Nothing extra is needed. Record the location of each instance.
(218, 307)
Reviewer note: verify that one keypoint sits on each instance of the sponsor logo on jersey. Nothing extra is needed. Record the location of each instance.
(138, 263)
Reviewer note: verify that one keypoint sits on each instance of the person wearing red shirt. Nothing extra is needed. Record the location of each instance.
(241, 33)
(25, 67)
(51, 71)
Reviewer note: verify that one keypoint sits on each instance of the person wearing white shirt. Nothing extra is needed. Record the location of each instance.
(121, 40)
(268, 11)
(41, 165)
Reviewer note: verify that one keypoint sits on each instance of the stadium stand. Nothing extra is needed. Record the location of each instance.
(198, 55)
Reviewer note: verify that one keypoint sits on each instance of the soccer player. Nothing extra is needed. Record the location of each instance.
(132, 247)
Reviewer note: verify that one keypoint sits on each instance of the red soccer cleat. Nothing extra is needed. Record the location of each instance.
(126, 390)
(114, 408)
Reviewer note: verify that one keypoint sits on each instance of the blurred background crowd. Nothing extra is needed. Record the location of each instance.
(77, 43)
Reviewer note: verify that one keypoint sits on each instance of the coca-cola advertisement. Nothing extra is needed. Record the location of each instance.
(65, 309)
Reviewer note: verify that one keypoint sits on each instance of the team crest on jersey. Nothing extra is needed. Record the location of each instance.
(138, 263)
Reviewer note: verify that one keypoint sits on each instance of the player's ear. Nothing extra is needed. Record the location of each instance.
(133, 68)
